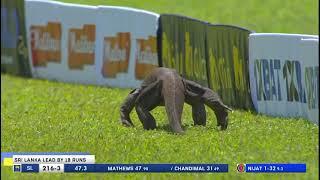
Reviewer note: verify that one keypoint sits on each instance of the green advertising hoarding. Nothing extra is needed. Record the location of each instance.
(228, 70)
(14, 52)
(183, 46)
(213, 55)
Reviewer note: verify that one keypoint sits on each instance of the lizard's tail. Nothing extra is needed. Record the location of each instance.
(173, 95)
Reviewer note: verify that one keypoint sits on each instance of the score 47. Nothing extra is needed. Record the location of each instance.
(141, 168)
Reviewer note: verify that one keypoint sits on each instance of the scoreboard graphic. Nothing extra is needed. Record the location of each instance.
(85, 163)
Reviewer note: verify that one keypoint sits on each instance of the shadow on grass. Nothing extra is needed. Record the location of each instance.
(166, 128)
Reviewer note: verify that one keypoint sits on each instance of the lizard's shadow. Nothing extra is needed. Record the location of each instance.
(185, 127)
(167, 128)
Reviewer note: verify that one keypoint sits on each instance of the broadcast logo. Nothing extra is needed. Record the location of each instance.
(241, 167)
(17, 168)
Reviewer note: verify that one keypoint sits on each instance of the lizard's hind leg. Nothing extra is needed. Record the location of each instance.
(149, 98)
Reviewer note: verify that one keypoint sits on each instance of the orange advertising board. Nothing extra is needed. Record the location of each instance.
(81, 46)
(146, 57)
(116, 54)
(45, 43)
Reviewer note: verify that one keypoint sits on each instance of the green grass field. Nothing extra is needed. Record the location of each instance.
(272, 16)
(40, 115)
